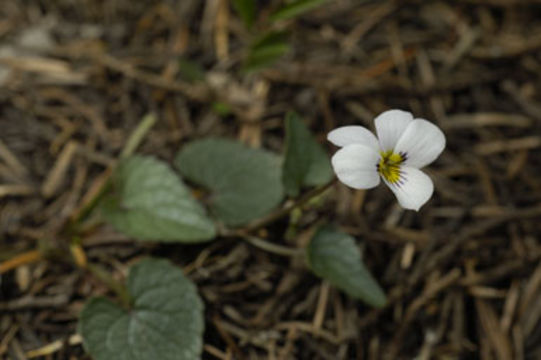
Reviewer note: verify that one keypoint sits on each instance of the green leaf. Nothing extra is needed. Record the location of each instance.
(306, 162)
(245, 183)
(166, 320)
(266, 50)
(246, 10)
(295, 8)
(151, 203)
(334, 256)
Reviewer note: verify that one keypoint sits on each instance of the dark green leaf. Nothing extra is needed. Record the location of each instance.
(151, 203)
(334, 256)
(306, 162)
(166, 321)
(245, 183)
(266, 50)
(296, 8)
(246, 10)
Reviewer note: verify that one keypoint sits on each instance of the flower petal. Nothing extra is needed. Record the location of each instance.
(355, 166)
(413, 189)
(422, 143)
(353, 134)
(390, 125)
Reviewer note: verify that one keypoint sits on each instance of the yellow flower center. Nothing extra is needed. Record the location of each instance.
(389, 166)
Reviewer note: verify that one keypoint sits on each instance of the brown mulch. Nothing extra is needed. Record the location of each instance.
(463, 275)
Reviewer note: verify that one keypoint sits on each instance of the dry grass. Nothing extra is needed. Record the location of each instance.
(463, 275)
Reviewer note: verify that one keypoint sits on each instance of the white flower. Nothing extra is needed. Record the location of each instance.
(404, 146)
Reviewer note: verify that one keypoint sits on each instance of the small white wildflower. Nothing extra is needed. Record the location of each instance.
(404, 145)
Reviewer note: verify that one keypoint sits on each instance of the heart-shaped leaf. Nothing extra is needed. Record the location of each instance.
(150, 202)
(245, 183)
(306, 163)
(334, 256)
(165, 323)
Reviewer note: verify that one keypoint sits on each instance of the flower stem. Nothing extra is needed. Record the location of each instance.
(118, 288)
(273, 248)
(286, 209)
(279, 213)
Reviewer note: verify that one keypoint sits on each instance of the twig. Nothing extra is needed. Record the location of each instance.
(9, 335)
(138, 134)
(56, 175)
(55, 346)
(33, 302)
(12, 161)
(19, 260)
(196, 93)
(16, 190)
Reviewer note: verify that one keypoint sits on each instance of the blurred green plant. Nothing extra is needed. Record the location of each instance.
(221, 108)
(295, 8)
(246, 10)
(265, 50)
(268, 44)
